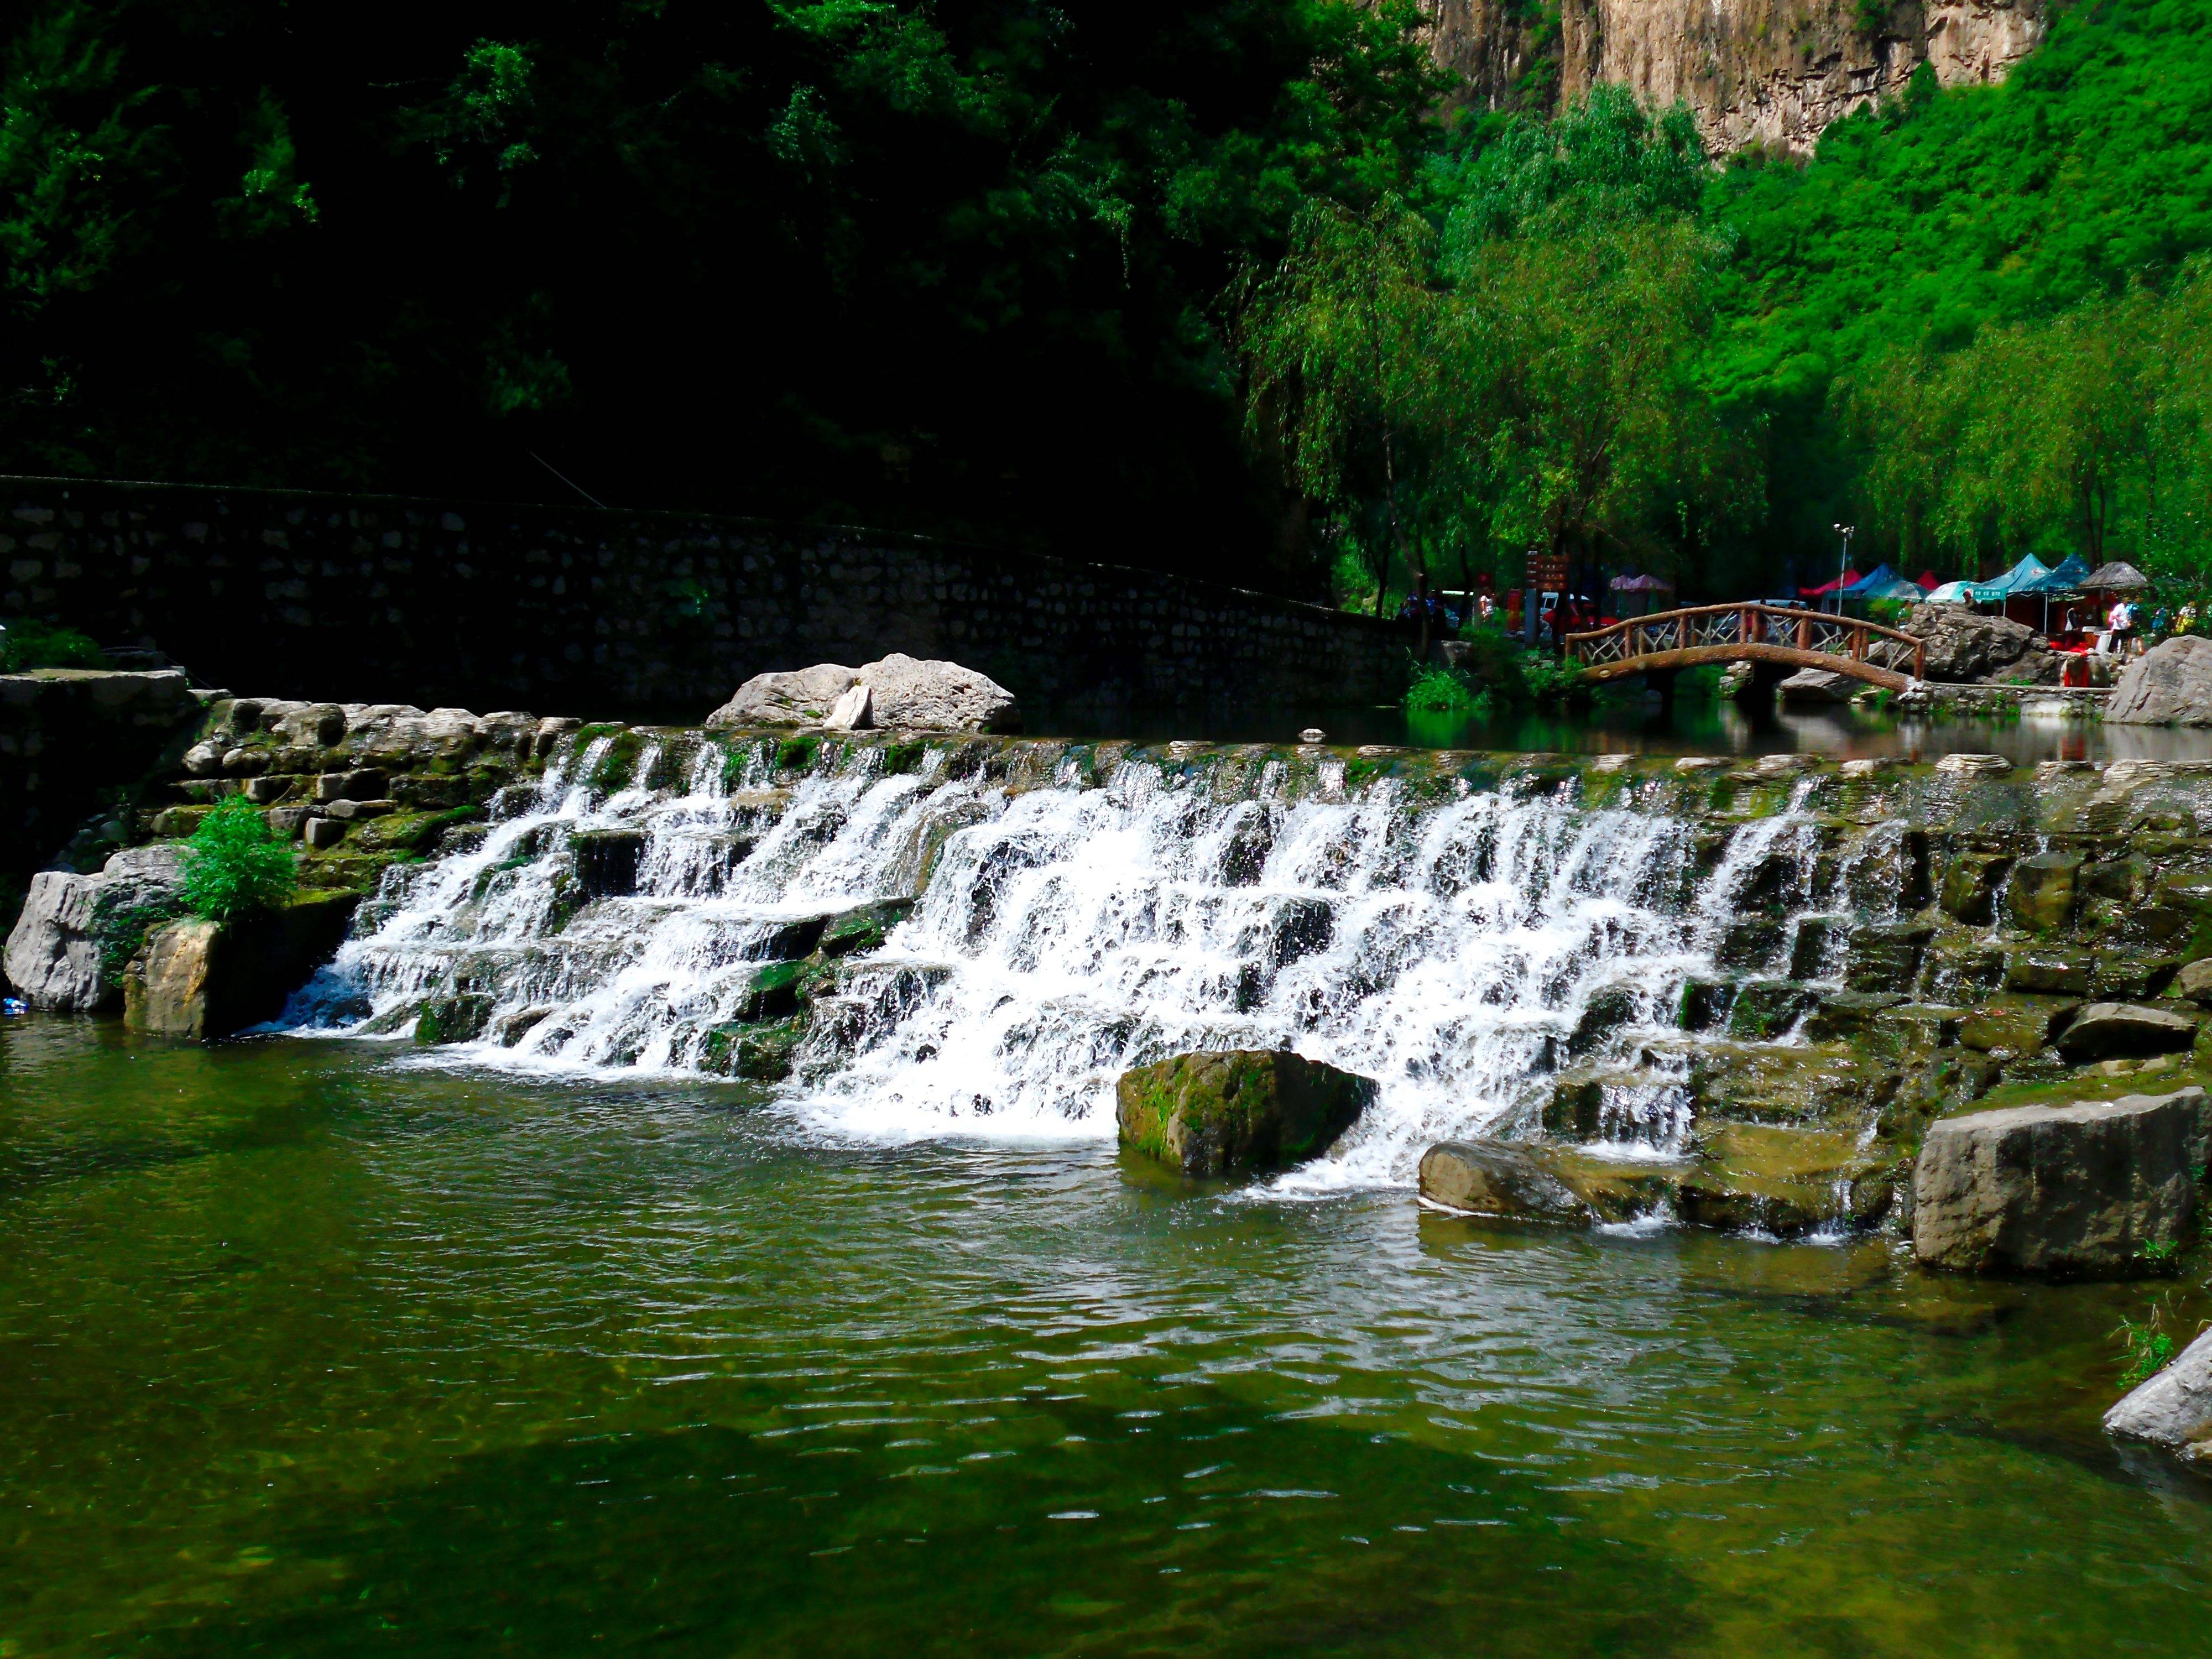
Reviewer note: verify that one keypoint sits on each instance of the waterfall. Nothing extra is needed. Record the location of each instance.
(1462, 951)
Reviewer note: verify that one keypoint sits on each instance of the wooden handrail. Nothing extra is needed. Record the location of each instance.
(1792, 613)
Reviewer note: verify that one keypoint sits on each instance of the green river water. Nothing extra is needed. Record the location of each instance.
(309, 1348)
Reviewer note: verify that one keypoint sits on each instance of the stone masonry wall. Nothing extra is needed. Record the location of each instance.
(639, 614)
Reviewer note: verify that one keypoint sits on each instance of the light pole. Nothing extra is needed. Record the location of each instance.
(1846, 531)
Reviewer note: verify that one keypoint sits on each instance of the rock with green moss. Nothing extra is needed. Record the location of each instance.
(1217, 1113)
(462, 1018)
(759, 1053)
(2040, 896)
(1970, 883)
(864, 929)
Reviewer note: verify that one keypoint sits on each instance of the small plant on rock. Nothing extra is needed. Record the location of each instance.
(2149, 1346)
(234, 864)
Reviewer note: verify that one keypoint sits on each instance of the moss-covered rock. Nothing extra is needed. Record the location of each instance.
(462, 1018)
(1242, 1109)
(1970, 883)
(772, 991)
(758, 1054)
(863, 930)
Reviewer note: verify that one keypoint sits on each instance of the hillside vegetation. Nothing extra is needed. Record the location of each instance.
(1213, 287)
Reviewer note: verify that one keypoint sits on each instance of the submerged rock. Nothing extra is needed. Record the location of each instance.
(1211, 1114)
(2174, 1409)
(2093, 1189)
(1493, 1178)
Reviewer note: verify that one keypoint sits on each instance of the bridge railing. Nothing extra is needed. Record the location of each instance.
(1816, 632)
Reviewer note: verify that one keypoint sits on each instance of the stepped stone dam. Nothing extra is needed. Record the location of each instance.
(1726, 993)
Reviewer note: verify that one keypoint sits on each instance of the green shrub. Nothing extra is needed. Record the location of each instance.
(234, 864)
(1437, 691)
(30, 644)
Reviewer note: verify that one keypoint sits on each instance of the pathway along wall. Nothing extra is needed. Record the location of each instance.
(378, 598)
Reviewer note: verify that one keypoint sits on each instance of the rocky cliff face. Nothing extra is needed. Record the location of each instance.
(1768, 72)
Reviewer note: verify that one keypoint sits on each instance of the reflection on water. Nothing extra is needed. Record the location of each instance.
(1631, 725)
(312, 1350)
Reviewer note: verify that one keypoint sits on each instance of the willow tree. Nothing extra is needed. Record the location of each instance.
(1577, 353)
(1338, 345)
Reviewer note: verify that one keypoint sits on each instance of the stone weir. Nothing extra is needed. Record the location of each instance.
(1737, 992)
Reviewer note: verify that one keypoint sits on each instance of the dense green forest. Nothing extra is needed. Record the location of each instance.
(1221, 287)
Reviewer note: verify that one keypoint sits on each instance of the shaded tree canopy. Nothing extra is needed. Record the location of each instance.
(949, 265)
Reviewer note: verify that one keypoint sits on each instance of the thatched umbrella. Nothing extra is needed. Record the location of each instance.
(2118, 577)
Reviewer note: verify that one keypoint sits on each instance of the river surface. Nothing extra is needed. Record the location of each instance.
(1630, 726)
(324, 1347)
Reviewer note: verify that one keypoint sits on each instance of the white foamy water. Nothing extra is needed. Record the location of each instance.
(1453, 951)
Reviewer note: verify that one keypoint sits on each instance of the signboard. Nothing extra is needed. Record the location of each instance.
(1547, 572)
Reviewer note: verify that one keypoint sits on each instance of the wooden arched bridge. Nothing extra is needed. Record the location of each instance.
(1771, 633)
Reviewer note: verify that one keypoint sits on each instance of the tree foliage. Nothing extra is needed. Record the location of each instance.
(950, 264)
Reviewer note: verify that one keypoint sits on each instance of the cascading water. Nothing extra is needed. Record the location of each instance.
(1459, 950)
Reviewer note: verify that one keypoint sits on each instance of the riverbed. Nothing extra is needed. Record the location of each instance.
(328, 1348)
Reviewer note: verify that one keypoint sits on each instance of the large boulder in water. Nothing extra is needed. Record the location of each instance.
(1819, 685)
(914, 694)
(803, 696)
(77, 930)
(1964, 646)
(2100, 1190)
(1209, 1114)
(2174, 1408)
(910, 693)
(208, 980)
(2171, 684)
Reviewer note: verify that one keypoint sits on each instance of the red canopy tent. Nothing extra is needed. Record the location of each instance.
(1846, 579)
(1926, 581)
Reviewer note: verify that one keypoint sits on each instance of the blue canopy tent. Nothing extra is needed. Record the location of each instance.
(1871, 586)
(1953, 593)
(2062, 582)
(1997, 592)
(2068, 578)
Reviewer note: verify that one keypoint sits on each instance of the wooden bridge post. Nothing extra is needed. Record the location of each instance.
(1804, 634)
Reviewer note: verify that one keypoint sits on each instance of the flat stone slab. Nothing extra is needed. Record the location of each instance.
(2091, 1190)
(2106, 1029)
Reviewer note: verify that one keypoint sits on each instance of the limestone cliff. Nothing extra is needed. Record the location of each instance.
(1769, 72)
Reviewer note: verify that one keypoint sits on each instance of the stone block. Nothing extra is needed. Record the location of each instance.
(2092, 1189)
(2016, 1025)
(2106, 1029)
(2194, 982)
(355, 812)
(2048, 970)
(1970, 885)
(2040, 898)
(368, 784)
(322, 834)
